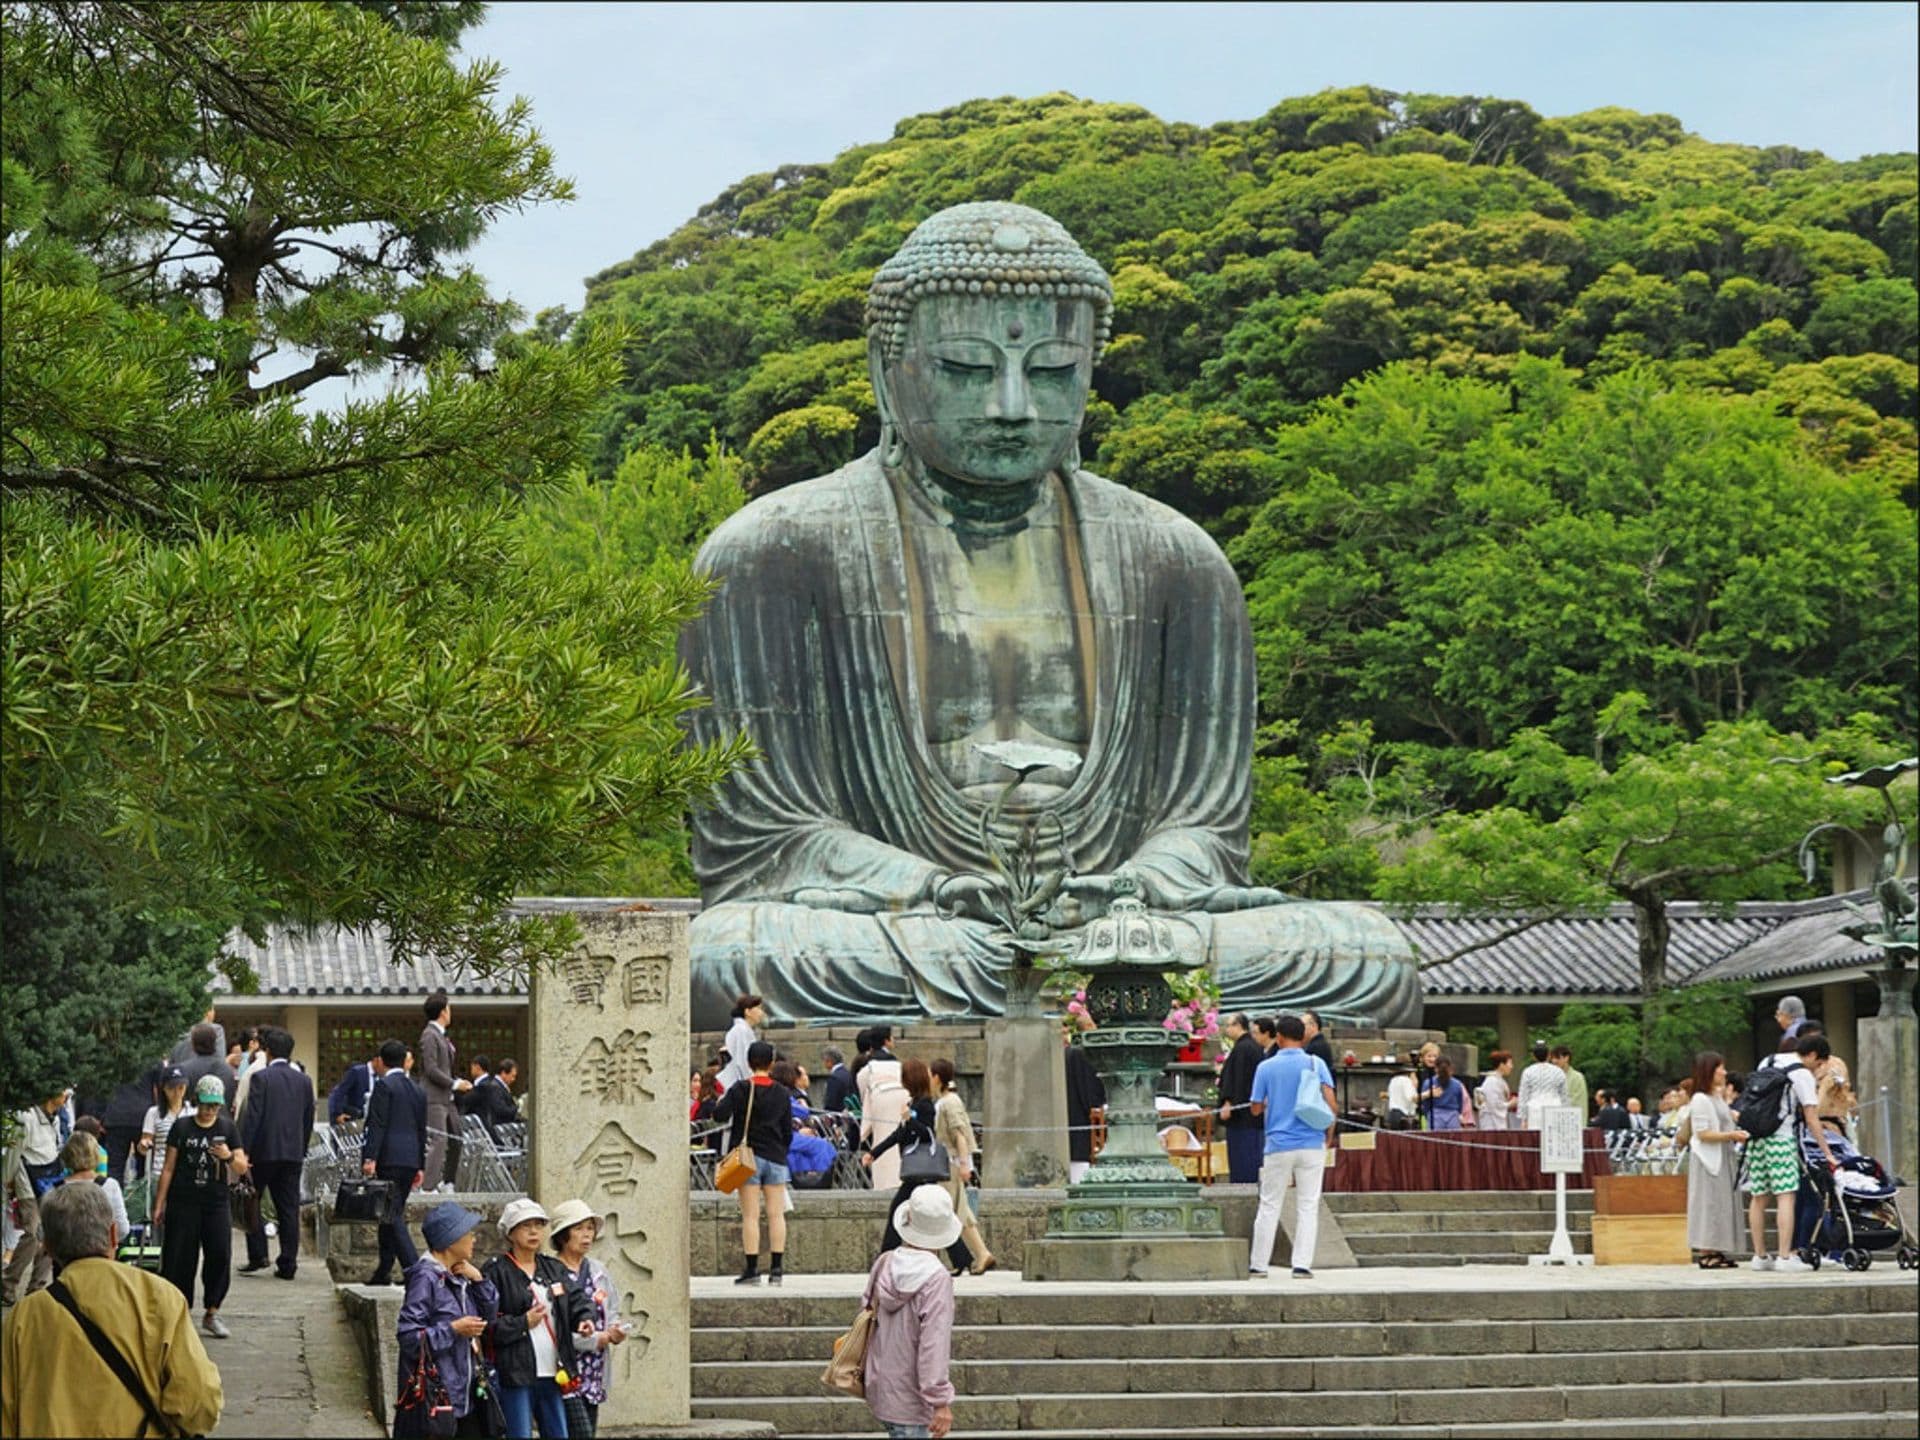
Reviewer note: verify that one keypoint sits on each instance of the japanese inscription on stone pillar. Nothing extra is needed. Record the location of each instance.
(605, 1131)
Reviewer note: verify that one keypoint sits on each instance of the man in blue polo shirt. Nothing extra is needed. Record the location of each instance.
(1295, 1147)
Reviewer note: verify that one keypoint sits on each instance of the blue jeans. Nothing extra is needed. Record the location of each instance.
(906, 1432)
(525, 1404)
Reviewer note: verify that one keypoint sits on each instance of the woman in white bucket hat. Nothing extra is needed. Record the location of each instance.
(908, 1386)
(574, 1228)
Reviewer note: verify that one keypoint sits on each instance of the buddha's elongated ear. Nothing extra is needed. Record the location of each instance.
(893, 449)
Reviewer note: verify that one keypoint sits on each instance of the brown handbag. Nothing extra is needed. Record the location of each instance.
(740, 1164)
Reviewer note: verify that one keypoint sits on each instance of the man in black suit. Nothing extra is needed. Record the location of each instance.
(275, 1127)
(839, 1079)
(1246, 1135)
(1612, 1115)
(490, 1101)
(394, 1149)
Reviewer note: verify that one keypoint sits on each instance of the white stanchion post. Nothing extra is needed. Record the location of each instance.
(1562, 1139)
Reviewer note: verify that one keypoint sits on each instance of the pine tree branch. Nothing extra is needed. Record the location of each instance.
(79, 481)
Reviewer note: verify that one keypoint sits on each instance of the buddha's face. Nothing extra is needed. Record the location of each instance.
(990, 391)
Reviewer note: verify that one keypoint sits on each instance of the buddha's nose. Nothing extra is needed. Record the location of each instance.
(1012, 395)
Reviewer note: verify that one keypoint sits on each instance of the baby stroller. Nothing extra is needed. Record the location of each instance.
(1847, 1215)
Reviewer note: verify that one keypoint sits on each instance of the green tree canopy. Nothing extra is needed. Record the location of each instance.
(268, 659)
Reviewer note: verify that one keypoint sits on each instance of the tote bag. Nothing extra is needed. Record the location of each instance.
(846, 1372)
(1310, 1103)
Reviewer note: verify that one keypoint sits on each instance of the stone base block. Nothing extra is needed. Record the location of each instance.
(1135, 1259)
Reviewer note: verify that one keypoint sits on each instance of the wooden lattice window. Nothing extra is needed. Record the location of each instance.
(347, 1040)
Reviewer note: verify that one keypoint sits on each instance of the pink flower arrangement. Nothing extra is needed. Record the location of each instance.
(1196, 1018)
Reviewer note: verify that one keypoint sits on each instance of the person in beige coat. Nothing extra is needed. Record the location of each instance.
(954, 1129)
(883, 1101)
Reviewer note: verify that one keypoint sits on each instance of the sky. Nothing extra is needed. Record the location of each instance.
(654, 109)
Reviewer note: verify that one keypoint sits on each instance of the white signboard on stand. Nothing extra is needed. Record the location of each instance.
(1561, 1139)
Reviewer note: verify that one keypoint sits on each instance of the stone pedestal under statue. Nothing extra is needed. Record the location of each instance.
(1026, 1106)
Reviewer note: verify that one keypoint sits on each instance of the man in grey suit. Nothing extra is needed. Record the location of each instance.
(436, 1053)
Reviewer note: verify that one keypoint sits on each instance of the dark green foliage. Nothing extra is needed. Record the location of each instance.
(95, 992)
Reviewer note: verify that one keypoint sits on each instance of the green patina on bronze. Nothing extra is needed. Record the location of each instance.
(965, 586)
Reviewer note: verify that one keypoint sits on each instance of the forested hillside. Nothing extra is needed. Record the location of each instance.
(1541, 445)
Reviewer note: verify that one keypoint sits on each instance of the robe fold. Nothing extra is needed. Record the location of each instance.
(818, 862)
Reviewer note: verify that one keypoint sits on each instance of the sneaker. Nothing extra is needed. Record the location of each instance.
(1254, 1274)
(1300, 1273)
(216, 1327)
(1792, 1262)
(750, 1278)
(1760, 1262)
(774, 1277)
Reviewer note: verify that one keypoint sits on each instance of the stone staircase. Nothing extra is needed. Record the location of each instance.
(1458, 1227)
(1614, 1356)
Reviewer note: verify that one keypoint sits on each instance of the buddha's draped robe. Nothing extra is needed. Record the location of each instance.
(808, 646)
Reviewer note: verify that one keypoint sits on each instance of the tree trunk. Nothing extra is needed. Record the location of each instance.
(1652, 931)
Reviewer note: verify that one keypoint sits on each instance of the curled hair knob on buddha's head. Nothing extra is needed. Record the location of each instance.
(988, 248)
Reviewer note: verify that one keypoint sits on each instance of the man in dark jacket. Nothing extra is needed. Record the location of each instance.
(394, 1149)
(208, 1059)
(274, 1130)
(490, 1101)
(1612, 1115)
(1317, 1043)
(348, 1099)
(839, 1080)
(1245, 1134)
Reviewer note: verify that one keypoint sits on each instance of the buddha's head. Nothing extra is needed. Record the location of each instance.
(981, 337)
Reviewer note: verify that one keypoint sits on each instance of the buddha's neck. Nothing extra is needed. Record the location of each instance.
(975, 507)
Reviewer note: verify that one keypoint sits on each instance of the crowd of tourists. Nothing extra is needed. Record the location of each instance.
(212, 1138)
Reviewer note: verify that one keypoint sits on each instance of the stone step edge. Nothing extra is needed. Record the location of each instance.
(825, 1397)
(1309, 1326)
(1891, 1423)
(1905, 1347)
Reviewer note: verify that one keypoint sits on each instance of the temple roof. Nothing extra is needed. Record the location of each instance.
(1596, 956)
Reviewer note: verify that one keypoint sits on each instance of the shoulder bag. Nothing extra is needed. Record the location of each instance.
(740, 1164)
(924, 1160)
(116, 1362)
(1309, 1103)
(846, 1372)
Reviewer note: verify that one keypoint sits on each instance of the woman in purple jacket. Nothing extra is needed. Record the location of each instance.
(447, 1308)
(910, 1353)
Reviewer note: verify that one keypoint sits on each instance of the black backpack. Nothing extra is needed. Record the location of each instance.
(1766, 1101)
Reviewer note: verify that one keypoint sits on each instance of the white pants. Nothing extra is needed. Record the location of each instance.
(1303, 1169)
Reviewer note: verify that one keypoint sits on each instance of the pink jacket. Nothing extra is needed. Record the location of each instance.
(912, 1345)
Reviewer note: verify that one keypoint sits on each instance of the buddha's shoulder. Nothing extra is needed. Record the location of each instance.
(1101, 500)
(806, 516)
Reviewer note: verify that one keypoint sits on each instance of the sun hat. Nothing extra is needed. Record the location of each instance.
(574, 1212)
(518, 1212)
(926, 1219)
(446, 1223)
(211, 1090)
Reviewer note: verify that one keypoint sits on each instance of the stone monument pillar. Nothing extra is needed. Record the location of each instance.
(1026, 1109)
(609, 1126)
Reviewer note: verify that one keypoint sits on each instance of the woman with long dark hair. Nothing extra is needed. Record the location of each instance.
(1713, 1204)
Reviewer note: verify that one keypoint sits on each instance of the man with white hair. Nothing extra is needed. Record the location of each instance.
(1790, 1014)
(123, 1360)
